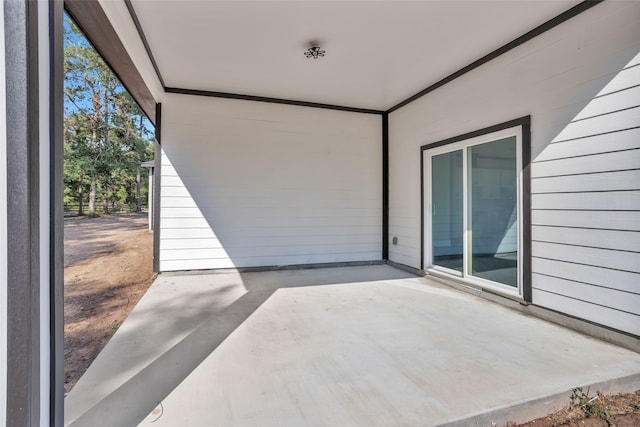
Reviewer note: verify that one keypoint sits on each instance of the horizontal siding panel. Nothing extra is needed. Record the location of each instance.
(184, 223)
(174, 191)
(177, 202)
(241, 129)
(286, 214)
(629, 261)
(195, 264)
(266, 251)
(187, 233)
(190, 244)
(628, 98)
(179, 213)
(406, 240)
(623, 301)
(329, 239)
(289, 204)
(271, 188)
(199, 264)
(623, 140)
(313, 229)
(170, 181)
(607, 181)
(407, 231)
(339, 233)
(272, 241)
(347, 225)
(187, 254)
(612, 220)
(624, 79)
(405, 250)
(612, 200)
(610, 123)
(595, 313)
(588, 164)
(168, 170)
(409, 260)
(310, 231)
(333, 175)
(605, 239)
(597, 276)
(256, 191)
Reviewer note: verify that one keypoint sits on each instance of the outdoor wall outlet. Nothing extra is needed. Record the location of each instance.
(395, 240)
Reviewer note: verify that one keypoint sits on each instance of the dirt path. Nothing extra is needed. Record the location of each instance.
(107, 269)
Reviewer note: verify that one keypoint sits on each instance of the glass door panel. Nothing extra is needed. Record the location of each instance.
(447, 213)
(493, 211)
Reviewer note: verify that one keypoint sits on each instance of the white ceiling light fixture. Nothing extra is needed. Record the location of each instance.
(314, 51)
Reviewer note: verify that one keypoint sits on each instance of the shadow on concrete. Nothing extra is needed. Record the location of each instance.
(146, 375)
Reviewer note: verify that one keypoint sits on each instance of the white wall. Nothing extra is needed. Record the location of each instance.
(586, 245)
(254, 184)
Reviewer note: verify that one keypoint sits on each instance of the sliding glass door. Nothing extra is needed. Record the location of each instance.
(447, 210)
(493, 211)
(472, 193)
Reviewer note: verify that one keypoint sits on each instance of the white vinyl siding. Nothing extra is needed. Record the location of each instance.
(586, 211)
(248, 184)
(579, 82)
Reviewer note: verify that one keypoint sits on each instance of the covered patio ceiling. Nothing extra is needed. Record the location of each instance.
(378, 53)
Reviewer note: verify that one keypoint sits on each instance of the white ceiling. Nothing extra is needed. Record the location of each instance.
(378, 52)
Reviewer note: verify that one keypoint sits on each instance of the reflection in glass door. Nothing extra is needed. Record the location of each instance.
(447, 210)
(474, 210)
(493, 211)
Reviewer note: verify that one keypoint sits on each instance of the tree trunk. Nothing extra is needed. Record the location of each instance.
(106, 114)
(105, 199)
(92, 194)
(105, 188)
(138, 202)
(80, 196)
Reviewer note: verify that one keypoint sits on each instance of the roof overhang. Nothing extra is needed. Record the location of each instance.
(381, 55)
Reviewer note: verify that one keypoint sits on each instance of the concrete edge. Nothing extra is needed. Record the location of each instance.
(272, 268)
(541, 406)
(585, 327)
(406, 268)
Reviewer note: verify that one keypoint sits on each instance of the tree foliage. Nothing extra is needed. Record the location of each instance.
(106, 135)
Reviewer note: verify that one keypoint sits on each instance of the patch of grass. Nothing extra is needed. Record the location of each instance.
(589, 405)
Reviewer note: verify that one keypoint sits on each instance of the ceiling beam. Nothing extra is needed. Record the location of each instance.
(270, 100)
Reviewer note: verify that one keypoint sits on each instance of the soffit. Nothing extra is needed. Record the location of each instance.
(378, 53)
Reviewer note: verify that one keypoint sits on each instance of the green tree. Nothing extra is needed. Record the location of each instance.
(106, 138)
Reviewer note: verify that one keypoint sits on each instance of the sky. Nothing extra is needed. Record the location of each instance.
(70, 37)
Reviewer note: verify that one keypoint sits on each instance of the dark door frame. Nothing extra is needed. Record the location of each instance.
(525, 123)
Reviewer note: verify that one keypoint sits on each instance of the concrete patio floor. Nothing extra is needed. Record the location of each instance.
(349, 346)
